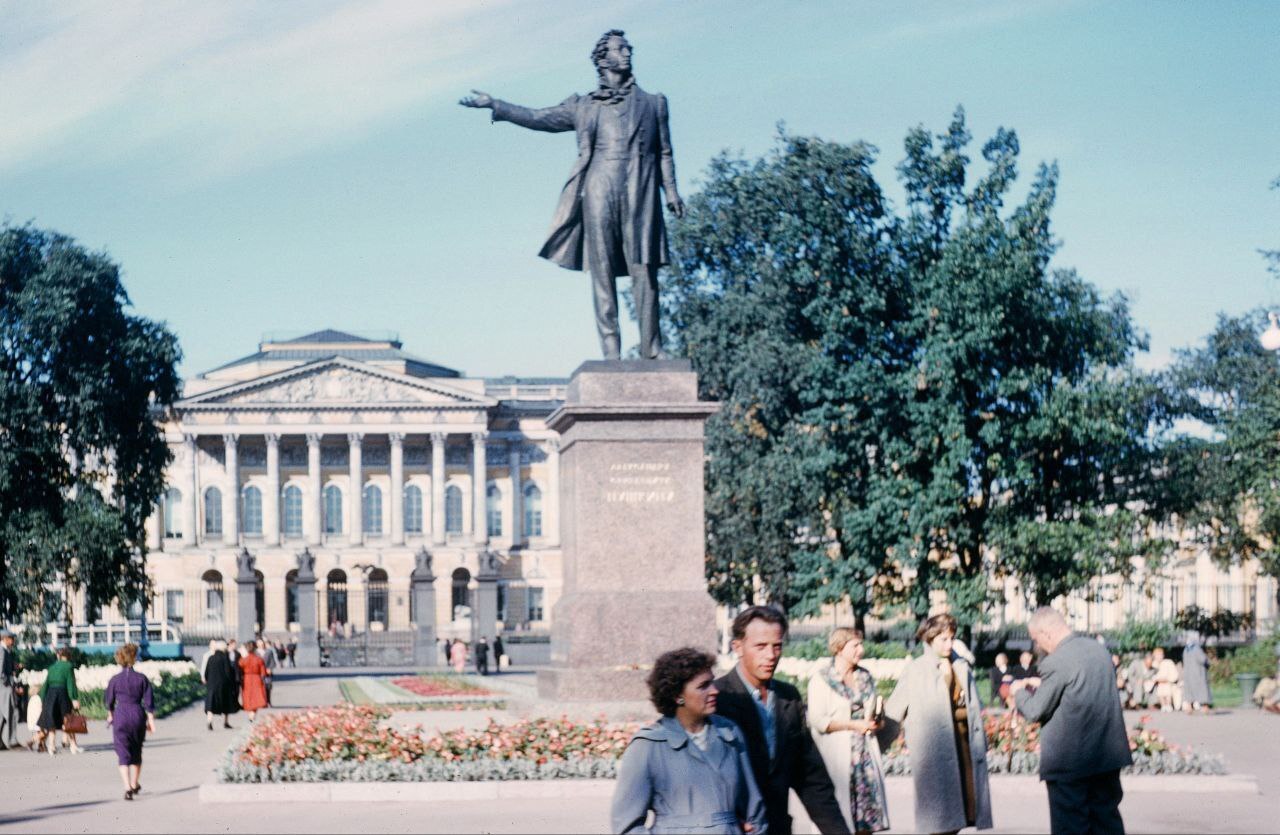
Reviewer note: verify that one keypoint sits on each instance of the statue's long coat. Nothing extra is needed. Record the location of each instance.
(651, 167)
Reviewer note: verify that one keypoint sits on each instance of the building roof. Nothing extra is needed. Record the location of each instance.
(330, 342)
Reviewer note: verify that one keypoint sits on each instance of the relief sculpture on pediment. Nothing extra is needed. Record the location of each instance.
(337, 385)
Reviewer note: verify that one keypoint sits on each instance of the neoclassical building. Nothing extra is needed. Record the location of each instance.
(364, 454)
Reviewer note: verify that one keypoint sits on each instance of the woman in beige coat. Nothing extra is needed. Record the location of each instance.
(843, 720)
(937, 700)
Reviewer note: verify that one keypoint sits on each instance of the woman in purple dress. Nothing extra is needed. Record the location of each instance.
(131, 715)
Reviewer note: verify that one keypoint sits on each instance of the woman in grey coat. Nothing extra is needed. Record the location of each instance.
(1196, 694)
(690, 768)
(937, 699)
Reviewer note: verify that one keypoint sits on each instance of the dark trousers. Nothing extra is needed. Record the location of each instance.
(644, 292)
(1088, 806)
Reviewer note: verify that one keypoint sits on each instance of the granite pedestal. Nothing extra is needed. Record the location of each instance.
(632, 528)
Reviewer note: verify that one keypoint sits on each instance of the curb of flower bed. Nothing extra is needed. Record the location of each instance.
(436, 792)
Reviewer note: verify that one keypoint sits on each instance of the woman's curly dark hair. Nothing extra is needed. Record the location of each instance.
(602, 46)
(671, 672)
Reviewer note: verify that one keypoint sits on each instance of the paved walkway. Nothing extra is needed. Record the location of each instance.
(83, 794)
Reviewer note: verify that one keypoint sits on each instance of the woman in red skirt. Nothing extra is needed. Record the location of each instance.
(253, 689)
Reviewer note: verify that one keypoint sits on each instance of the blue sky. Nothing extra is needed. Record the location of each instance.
(291, 166)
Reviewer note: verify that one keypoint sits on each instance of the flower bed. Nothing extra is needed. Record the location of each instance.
(422, 692)
(1013, 747)
(352, 743)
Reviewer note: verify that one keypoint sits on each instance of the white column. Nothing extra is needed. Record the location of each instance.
(356, 477)
(551, 501)
(397, 488)
(271, 501)
(313, 522)
(437, 487)
(479, 488)
(231, 499)
(189, 517)
(517, 493)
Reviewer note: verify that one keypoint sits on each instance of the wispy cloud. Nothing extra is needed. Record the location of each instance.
(213, 88)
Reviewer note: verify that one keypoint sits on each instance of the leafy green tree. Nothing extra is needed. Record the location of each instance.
(785, 296)
(911, 403)
(1222, 482)
(81, 456)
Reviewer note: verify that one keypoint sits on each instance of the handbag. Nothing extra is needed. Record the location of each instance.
(75, 723)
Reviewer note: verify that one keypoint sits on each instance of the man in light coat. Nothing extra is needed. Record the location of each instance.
(8, 704)
(1083, 744)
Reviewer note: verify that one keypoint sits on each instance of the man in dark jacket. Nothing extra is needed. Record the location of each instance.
(1083, 744)
(771, 715)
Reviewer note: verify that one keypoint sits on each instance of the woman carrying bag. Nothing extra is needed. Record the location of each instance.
(60, 700)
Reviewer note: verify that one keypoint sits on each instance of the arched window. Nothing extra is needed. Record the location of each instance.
(453, 509)
(212, 511)
(372, 509)
(172, 513)
(461, 595)
(292, 517)
(493, 510)
(333, 509)
(375, 596)
(336, 595)
(252, 517)
(532, 511)
(291, 597)
(413, 509)
(212, 594)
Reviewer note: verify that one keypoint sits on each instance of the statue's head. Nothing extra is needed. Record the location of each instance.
(612, 52)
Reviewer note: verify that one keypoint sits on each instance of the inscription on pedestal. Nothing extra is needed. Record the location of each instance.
(637, 482)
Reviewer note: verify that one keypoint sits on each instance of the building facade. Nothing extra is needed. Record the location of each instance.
(364, 454)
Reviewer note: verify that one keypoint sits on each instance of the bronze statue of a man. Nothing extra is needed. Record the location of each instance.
(609, 219)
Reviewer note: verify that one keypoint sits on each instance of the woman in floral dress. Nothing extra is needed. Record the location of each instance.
(843, 720)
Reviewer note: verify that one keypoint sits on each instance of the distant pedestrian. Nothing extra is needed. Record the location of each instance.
(59, 697)
(499, 652)
(268, 656)
(253, 678)
(1083, 744)
(458, 656)
(482, 656)
(1167, 678)
(1196, 693)
(690, 769)
(1026, 666)
(292, 651)
(445, 646)
(937, 699)
(221, 697)
(9, 701)
(1001, 677)
(131, 713)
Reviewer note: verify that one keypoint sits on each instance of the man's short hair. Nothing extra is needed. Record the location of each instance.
(768, 614)
(1047, 618)
(602, 45)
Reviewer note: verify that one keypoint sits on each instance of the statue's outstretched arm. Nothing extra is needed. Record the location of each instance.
(556, 119)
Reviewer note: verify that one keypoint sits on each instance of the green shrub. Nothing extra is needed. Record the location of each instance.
(1258, 658)
(1142, 635)
(42, 659)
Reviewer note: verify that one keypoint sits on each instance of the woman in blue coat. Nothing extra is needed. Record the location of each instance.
(690, 768)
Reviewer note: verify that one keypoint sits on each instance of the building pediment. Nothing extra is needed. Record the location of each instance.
(337, 382)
